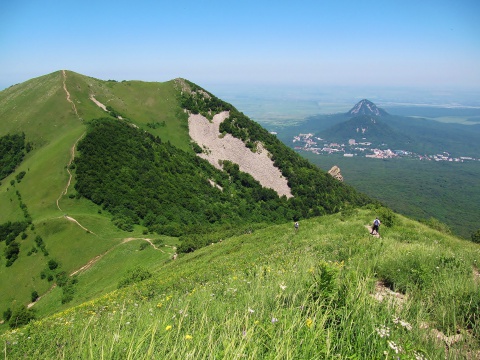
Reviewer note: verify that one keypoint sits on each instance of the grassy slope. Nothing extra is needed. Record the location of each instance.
(51, 124)
(237, 297)
(445, 191)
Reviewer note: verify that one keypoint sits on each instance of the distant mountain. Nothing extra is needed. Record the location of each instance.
(366, 107)
(368, 128)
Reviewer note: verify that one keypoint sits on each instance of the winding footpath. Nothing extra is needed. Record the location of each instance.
(72, 157)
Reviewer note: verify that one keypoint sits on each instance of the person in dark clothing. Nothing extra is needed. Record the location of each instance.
(375, 226)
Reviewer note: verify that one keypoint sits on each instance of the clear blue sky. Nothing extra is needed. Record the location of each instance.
(381, 43)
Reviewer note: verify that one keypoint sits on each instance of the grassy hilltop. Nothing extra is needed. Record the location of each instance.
(107, 186)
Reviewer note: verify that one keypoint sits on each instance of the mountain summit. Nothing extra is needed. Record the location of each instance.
(366, 107)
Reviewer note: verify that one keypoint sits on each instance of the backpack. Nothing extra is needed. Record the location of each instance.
(376, 222)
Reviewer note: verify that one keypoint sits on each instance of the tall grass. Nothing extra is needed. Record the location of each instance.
(277, 294)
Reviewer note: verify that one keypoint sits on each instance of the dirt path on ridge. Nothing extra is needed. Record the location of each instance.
(68, 94)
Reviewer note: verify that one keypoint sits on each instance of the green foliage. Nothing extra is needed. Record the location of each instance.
(20, 176)
(10, 230)
(199, 101)
(141, 180)
(134, 276)
(11, 253)
(34, 296)
(437, 225)
(197, 148)
(20, 316)
(446, 191)
(52, 264)
(476, 236)
(41, 245)
(7, 314)
(386, 216)
(323, 285)
(12, 151)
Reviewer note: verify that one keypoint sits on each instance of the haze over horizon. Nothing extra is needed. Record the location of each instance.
(428, 44)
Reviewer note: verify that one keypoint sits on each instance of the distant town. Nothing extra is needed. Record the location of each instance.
(316, 145)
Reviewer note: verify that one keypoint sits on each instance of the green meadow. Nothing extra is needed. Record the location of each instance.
(87, 290)
(328, 291)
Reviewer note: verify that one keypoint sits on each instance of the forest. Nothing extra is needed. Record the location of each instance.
(142, 180)
(12, 151)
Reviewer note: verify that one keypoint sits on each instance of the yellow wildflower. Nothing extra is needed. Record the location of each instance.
(159, 305)
(309, 322)
(168, 328)
(188, 337)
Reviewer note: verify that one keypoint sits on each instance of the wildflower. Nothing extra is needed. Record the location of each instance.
(251, 311)
(188, 337)
(159, 305)
(283, 287)
(274, 320)
(394, 347)
(383, 331)
(256, 322)
(418, 356)
(168, 328)
(309, 322)
(405, 324)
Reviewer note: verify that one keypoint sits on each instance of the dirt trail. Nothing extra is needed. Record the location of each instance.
(98, 257)
(369, 227)
(68, 94)
(48, 291)
(72, 157)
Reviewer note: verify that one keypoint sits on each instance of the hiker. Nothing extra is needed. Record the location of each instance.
(296, 225)
(376, 225)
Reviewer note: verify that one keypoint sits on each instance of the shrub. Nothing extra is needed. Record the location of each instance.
(34, 296)
(437, 225)
(52, 264)
(7, 314)
(476, 237)
(133, 276)
(386, 216)
(21, 316)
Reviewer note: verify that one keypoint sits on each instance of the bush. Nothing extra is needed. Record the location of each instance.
(134, 276)
(7, 314)
(476, 237)
(386, 216)
(437, 225)
(35, 296)
(52, 264)
(21, 316)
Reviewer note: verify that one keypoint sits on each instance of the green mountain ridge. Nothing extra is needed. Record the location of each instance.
(96, 175)
(109, 197)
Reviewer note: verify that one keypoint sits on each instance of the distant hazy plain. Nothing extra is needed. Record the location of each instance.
(284, 105)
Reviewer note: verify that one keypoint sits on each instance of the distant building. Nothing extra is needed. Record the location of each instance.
(351, 142)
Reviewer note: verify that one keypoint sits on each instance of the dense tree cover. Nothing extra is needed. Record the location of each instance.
(12, 151)
(315, 192)
(199, 101)
(142, 180)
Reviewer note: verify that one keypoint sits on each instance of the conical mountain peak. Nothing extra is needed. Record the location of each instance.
(366, 107)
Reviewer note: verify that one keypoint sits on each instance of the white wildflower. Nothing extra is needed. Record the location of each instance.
(394, 347)
(383, 331)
